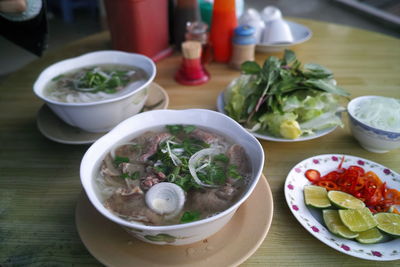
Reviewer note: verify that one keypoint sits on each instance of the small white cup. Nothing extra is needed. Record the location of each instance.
(252, 17)
(277, 32)
(270, 13)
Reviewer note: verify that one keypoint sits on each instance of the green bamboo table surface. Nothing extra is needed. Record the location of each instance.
(39, 179)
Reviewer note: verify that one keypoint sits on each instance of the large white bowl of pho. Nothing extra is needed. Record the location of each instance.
(98, 90)
(172, 176)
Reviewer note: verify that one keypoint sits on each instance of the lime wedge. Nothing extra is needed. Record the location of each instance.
(344, 200)
(358, 220)
(370, 236)
(335, 224)
(316, 196)
(388, 223)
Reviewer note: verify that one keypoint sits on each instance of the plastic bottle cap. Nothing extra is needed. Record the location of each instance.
(244, 30)
(244, 34)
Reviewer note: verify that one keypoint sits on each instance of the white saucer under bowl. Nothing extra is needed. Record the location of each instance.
(57, 130)
(231, 246)
(300, 33)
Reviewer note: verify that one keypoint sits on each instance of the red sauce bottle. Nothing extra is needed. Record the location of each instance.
(139, 26)
(223, 23)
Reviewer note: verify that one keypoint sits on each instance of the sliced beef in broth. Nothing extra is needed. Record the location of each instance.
(131, 151)
(151, 180)
(212, 200)
(205, 136)
(152, 140)
(131, 168)
(108, 169)
(130, 203)
(237, 156)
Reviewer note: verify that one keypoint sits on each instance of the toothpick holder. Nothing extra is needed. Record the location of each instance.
(192, 72)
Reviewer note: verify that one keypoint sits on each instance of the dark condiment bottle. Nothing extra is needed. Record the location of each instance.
(197, 31)
(185, 11)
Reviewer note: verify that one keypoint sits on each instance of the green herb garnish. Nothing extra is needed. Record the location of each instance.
(133, 176)
(118, 160)
(190, 216)
(176, 129)
(96, 80)
(233, 172)
(222, 158)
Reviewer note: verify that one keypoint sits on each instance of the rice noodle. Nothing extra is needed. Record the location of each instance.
(381, 113)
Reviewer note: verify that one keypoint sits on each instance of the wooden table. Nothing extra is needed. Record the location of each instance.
(39, 179)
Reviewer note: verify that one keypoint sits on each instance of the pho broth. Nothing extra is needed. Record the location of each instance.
(167, 154)
(95, 83)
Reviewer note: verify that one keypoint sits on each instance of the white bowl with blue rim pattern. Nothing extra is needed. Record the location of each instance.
(371, 138)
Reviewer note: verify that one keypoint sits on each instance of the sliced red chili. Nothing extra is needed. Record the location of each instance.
(366, 186)
(357, 169)
(360, 184)
(393, 195)
(313, 175)
(371, 176)
(341, 163)
(332, 176)
(329, 185)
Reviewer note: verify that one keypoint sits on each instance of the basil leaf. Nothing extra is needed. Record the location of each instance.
(316, 68)
(250, 67)
(288, 57)
(326, 86)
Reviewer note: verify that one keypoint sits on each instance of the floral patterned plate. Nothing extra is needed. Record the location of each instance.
(311, 219)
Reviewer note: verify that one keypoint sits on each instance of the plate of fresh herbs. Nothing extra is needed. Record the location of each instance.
(284, 100)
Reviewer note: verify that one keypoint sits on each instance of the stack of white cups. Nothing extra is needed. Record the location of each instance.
(270, 27)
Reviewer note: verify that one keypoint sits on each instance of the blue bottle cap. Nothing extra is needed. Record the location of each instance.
(244, 35)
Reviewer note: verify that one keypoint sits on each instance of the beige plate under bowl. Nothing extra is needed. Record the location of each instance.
(57, 130)
(232, 245)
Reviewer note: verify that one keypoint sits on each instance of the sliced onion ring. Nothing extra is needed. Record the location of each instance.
(196, 157)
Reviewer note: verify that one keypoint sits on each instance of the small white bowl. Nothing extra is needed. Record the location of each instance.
(99, 116)
(371, 138)
(180, 234)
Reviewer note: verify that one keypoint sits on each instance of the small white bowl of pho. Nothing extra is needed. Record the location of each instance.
(375, 122)
(98, 90)
(172, 177)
